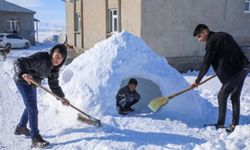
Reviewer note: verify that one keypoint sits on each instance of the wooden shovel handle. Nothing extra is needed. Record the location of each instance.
(190, 88)
(60, 98)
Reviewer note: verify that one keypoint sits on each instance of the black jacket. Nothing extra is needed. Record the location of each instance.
(124, 93)
(225, 56)
(39, 66)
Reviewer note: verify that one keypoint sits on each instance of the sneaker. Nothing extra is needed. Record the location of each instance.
(129, 109)
(39, 142)
(22, 131)
(230, 129)
(121, 111)
(219, 126)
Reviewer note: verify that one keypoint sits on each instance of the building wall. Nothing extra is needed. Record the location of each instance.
(26, 25)
(131, 16)
(94, 22)
(69, 7)
(2, 25)
(237, 22)
(167, 27)
(129, 12)
(112, 4)
(74, 37)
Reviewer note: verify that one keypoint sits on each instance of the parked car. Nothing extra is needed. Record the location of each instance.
(13, 41)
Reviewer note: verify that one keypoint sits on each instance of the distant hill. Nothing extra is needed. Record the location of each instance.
(50, 27)
(51, 33)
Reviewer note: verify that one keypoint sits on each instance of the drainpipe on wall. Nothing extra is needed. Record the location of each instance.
(106, 18)
(74, 23)
(82, 26)
(119, 16)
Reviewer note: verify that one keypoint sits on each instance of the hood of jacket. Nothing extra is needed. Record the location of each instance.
(62, 50)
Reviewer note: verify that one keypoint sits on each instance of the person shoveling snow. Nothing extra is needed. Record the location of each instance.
(36, 67)
(229, 64)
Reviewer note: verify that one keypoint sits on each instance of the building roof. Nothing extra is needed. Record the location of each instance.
(36, 20)
(10, 7)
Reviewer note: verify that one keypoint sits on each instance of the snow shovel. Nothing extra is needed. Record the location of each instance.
(85, 119)
(157, 103)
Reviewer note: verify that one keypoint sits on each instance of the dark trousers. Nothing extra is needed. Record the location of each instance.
(30, 112)
(232, 87)
(125, 104)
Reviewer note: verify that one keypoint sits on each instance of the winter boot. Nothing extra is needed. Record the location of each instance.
(39, 142)
(22, 131)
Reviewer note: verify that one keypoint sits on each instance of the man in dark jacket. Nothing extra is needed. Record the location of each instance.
(127, 97)
(229, 64)
(37, 67)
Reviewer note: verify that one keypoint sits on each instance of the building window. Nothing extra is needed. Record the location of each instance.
(247, 6)
(13, 25)
(113, 20)
(77, 22)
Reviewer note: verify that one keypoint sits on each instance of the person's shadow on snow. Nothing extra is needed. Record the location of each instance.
(210, 116)
(140, 138)
(113, 133)
(125, 135)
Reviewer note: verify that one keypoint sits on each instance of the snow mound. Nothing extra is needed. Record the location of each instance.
(92, 80)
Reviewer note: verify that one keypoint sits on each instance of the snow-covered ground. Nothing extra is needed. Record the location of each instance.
(138, 130)
(50, 33)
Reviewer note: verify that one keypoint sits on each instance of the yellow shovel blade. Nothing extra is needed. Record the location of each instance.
(157, 103)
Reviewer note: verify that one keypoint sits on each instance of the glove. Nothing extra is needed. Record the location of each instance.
(64, 101)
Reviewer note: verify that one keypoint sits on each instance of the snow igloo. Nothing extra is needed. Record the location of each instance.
(93, 79)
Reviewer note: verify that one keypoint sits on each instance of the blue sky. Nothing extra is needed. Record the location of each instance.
(47, 11)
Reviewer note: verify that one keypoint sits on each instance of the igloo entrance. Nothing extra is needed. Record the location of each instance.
(148, 91)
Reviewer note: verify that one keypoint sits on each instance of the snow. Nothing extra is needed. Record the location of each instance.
(100, 72)
(51, 33)
(91, 81)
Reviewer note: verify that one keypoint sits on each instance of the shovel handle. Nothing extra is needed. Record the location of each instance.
(60, 98)
(190, 88)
